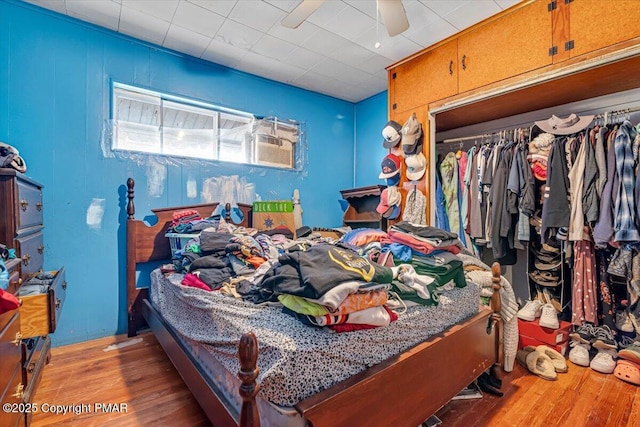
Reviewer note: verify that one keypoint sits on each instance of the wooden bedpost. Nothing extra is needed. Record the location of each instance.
(227, 212)
(131, 262)
(496, 307)
(248, 355)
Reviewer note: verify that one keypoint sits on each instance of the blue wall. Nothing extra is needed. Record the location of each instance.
(371, 116)
(55, 75)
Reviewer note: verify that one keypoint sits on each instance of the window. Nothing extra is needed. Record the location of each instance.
(156, 123)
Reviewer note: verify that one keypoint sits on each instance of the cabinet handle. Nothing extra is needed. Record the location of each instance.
(31, 367)
(18, 339)
(39, 206)
(40, 249)
(64, 285)
(451, 68)
(464, 62)
(25, 259)
(24, 204)
(19, 392)
(58, 302)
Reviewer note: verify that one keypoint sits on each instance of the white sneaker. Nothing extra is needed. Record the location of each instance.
(549, 317)
(603, 361)
(530, 311)
(623, 321)
(579, 353)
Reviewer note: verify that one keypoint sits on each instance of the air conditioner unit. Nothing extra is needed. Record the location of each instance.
(274, 142)
(272, 151)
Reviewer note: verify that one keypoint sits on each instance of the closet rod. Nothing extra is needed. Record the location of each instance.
(466, 138)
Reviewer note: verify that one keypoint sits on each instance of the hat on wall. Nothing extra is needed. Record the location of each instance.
(390, 166)
(383, 206)
(571, 124)
(394, 180)
(391, 134)
(416, 166)
(411, 135)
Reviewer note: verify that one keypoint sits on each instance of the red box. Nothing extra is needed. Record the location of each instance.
(561, 348)
(545, 335)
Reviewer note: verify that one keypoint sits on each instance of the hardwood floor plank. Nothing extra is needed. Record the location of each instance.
(140, 375)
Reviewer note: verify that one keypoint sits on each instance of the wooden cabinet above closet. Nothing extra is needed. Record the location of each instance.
(535, 36)
(596, 24)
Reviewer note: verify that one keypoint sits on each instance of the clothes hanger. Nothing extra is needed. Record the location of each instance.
(459, 152)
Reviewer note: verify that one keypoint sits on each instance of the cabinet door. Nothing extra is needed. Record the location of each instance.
(595, 24)
(428, 77)
(516, 43)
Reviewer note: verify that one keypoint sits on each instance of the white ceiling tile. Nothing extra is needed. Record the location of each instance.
(221, 7)
(367, 7)
(269, 68)
(285, 5)
(238, 35)
(505, 4)
(324, 42)
(224, 53)
(160, 9)
(257, 14)
(350, 22)
(104, 13)
(142, 26)
(198, 19)
(358, 93)
(351, 54)
(117, 1)
(472, 12)
(325, 13)
(55, 5)
(187, 41)
(375, 64)
(394, 48)
(272, 47)
(425, 26)
(294, 35)
(303, 58)
(443, 8)
(339, 71)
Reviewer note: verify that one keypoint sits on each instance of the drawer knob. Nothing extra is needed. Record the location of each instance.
(39, 206)
(64, 285)
(19, 392)
(58, 302)
(24, 204)
(18, 339)
(25, 259)
(40, 249)
(31, 367)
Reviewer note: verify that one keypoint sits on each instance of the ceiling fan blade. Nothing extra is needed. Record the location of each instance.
(300, 13)
(393, 16)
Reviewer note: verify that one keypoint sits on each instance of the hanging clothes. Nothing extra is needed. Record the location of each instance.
(442, 220)
(584, 298)
(556, 200)
(449, 173)
(625, 209)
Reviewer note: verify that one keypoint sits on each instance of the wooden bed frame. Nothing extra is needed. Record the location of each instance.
(403, 390)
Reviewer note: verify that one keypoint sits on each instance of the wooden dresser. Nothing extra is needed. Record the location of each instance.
(24, 341)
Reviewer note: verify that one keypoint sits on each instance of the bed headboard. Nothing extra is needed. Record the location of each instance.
(148, 243)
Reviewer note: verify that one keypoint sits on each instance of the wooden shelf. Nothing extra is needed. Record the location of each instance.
(363, 202)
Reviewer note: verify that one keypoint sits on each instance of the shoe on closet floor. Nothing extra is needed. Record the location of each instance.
(557, 359)
(604, 338)
(579, 353)
(549, 317)
(604, 362)
(631, 352)
(623, 321)
(583, 334)
(627, 371)
(531, 310)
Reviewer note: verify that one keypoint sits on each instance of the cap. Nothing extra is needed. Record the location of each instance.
(416, 166)
(390, 166)
(411, 135)
(391, 134)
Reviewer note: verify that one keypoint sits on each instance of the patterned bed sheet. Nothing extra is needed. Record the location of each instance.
(296, 360)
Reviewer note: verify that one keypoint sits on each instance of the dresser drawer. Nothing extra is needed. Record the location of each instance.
(30, 250)
(42, 302)
(10, 350)
(12, 395)
(37, 356)
(29, 206)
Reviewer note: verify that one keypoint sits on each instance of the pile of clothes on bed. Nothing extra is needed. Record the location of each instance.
(360, 281)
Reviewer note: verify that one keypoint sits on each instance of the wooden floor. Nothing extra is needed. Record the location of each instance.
(136, 372)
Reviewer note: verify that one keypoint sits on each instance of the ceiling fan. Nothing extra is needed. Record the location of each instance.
(392, 12)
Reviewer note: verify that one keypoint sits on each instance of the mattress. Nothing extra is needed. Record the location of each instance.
(296, 360)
